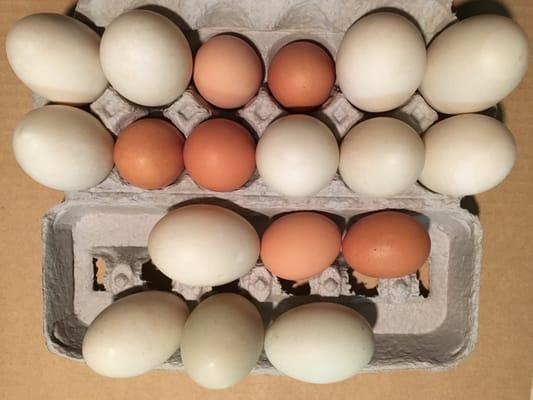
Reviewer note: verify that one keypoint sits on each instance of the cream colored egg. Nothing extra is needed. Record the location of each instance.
(297, 155)
(135, 334)
(56, 57)
(203, 245)
(63, 147)
(474, 64)
(467, 154)
(222, 341)
(320, 343)
(146, 58)
(380, 62)
(381, 157)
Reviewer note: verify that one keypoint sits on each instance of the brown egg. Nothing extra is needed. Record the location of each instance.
(227, 71)
(300, 245)
(387, 244)
(219, 155)
(301, 75)
(149, 153)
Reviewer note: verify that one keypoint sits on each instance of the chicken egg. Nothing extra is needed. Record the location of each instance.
(219, 155)
(301, 75)
(63, 148)
(297, 155)
(203, 245)
(222, 341)
(320, 343)
(386, 244)
(227, 71)
(300, 245)
(381, 157)
(56, 57)
(467, 154)
(146, 58)
(149, 153)
(135, 334)
(381, 61)
(474, 64)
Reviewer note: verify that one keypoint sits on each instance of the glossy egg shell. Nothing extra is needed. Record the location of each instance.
(386, 244)
(300, 245)
(219, 155)
(149, 153)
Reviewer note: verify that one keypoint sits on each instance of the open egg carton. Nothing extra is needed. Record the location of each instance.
(110, 223)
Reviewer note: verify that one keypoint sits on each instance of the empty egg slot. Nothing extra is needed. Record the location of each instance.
(295, 288)
(99, 270)
(154, 278)
(423, 279)
(363, 285)
(230, 287)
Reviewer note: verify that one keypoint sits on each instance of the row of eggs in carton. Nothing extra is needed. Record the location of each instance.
(147, 59)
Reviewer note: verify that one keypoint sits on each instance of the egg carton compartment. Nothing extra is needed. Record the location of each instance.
(412, 331)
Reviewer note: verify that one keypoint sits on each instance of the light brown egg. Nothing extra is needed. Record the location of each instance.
(301, 75)
(149, 153)
(300, 245)
(219, 155)
(387, 244)
(227, 71)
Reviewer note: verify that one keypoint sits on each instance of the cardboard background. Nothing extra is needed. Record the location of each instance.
(501, 367)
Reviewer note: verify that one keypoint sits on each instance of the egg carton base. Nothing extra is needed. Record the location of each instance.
(411, 331)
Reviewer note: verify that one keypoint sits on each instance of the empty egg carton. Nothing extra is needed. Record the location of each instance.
(109, 224)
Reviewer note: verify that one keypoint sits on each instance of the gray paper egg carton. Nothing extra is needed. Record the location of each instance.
(111, 221)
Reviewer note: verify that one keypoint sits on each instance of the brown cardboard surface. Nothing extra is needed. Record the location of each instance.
(501, 367)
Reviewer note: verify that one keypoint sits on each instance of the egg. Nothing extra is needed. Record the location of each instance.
(381, 157)
(56, 57)
(474, 64)
(135, 334)
(467, 154)
(299, 245)
(301, 75)
(220, 155)
(222, 341)
(227, 71)
(380, 62)
(63, 148)
(297, 155)
(320, 343)
(149, 153)
(203, 245)
(386, 244)
(146, 58)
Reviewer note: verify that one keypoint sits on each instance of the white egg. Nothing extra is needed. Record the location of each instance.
(297, 155)
(135, 334)
(467, 154)
(320, 343)
(222, 341)
(381, 157)
(203, 245)
(56, 57)
(474, 64)
(146, 58)
(63, 147)
(381, 61)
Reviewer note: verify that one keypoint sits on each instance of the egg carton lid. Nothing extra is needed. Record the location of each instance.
(113, 219)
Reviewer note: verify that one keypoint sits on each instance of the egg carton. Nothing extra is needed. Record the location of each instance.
(108, 225)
